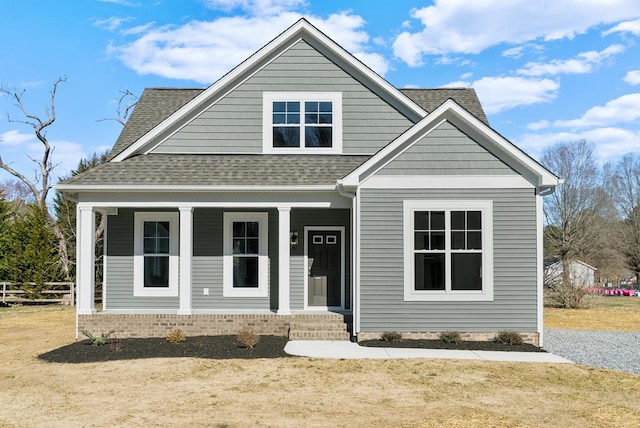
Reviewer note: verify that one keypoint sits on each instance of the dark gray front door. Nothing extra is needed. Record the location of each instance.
(325, 258)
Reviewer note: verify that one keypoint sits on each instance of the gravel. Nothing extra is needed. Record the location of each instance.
(603, 349)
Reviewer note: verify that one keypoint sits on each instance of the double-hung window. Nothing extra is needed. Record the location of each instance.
(448, 250)
(156, 254)
(245, 254)
(302, 122)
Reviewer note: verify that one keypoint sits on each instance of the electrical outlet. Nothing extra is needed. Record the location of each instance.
(205, 291)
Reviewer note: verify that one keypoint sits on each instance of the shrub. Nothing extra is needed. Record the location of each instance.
(391, 336)
(247, 338)
(509, 338)
(176, 336)
(115, 344)
(101, 340)
(450, 337)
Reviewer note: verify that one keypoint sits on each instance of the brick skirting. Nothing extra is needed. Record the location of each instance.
(531, 338)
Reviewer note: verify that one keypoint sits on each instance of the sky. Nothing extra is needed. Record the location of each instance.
(546, 71)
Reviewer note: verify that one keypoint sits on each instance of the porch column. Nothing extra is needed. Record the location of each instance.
(186, 254)
(85, 256)
(284, 257)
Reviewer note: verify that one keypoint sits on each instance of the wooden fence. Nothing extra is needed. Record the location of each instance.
(65, 296)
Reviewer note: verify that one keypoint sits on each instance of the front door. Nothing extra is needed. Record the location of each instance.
(325, 268)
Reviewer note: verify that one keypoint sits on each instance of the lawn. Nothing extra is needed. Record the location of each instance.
(601, 313)
(293, 391)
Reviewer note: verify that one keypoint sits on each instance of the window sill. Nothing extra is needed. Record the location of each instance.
(439, 296)
(244, 292)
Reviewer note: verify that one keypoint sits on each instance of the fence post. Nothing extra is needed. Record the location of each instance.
(72, 288)
(4, 291)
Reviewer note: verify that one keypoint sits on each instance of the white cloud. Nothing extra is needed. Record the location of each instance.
(504, 93)
(632, 27)
(470, 26)
(466, 75)
(583, 63)
(620, 110)
(515, 52)
(535, 126)
(112, 23)
(611, 143)
(205, 50)
(256, 7)
(632, 77)
(14, 138)
(120, 2)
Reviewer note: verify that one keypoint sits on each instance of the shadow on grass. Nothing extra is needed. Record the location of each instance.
(212, 347)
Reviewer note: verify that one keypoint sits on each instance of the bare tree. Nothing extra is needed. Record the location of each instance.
(126, 104)
(41, 183)
(573, 212)
(624, 182)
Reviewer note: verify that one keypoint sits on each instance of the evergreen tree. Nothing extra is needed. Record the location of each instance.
(5, 227)
(31, 258)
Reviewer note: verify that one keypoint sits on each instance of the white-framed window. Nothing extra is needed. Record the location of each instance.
(155, 264)
(246, 259)
(448, 250)
(302, 122)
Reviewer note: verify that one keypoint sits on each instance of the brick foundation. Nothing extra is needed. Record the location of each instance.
(531, 338)
(158, 325)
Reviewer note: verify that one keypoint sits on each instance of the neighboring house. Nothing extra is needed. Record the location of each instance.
(580, 273)
(302, 190)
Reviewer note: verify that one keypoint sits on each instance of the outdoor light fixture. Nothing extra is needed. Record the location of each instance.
(294, 239)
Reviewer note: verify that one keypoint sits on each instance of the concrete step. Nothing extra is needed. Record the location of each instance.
(319, 335)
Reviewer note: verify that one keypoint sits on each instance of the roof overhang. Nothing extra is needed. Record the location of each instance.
(74, 188)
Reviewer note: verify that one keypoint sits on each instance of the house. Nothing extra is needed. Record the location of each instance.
(301, 193)
(580, 273)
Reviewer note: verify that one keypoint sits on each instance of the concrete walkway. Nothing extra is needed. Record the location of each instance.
(349, 350)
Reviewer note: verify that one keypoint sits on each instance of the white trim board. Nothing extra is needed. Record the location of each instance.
(447, 182)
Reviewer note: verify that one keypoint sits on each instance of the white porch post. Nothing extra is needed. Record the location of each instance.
(186, 253)
(284, 257)
(85, 256)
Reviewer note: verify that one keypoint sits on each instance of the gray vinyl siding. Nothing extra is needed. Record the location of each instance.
(234, 123)
(382, 262)
(301, 217)
(119, 286)
(447, 151)
(207, 267)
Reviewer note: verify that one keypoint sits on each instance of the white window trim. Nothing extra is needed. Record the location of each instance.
(410, 293)
(267, 126)
(139, 290)
(263, 258)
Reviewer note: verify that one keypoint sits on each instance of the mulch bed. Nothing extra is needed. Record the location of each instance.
(438, 344)
(213, 347)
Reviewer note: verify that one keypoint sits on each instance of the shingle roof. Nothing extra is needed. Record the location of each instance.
(221, 170)
(430, 99)
(154, 105)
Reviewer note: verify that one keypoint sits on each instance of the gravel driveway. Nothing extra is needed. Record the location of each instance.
(603, 349)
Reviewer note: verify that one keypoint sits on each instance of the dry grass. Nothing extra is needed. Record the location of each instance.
(602, 313)
(293, 391)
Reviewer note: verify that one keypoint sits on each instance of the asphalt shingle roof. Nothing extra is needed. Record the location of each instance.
(221, 170)
(430, 99)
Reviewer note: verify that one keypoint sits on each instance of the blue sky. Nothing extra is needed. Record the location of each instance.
(545, 70)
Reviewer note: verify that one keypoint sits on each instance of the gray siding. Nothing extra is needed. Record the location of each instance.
(301, 217)
(207, 269)
(382, 261)
(446, 151)
(234, 124)
(119, 286)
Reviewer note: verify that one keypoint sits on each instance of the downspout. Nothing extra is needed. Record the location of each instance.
(540, 193)
(355, 283)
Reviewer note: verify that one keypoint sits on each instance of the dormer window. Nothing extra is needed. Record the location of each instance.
(302, 122)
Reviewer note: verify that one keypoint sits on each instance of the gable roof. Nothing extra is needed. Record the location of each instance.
(451, 111)
(302, 29)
